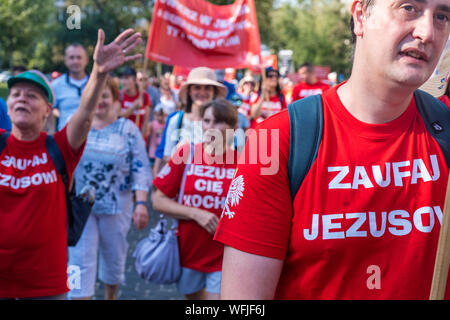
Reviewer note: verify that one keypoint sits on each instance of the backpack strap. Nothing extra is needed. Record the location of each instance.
(58, 160)
(3, 138)
(436, 116)
(306, 126)
(179, 125)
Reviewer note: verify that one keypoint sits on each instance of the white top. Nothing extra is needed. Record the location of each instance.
(191, 131)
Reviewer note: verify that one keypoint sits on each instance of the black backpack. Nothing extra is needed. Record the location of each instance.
(306, 126)
(78, 208)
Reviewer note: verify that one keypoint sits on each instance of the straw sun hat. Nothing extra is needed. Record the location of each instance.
(437, 84)
(202, 76)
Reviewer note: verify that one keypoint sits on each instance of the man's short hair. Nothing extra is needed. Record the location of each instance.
(366, 5)
(309, 66)
(76, 45)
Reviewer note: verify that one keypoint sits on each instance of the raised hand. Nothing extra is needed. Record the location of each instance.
(109, 57)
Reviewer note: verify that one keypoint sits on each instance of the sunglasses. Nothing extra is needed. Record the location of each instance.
(272, 75)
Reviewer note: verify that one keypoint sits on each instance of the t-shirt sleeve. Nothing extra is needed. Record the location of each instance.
(258, 211)
(171, 136)
(254, 98)
(159, 153)
(295, 93)
(283, 103)
(140, 166)
(55, 88)
(168, 181)
(147, 101)
(71, 157)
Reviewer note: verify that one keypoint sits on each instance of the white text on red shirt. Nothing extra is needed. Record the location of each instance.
(400, 171)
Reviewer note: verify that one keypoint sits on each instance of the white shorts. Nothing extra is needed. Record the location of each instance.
(107, 235)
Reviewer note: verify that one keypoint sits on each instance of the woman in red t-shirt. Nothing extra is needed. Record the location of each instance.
(200, 176)
(135, 101)
(33, 220)
(270, 99)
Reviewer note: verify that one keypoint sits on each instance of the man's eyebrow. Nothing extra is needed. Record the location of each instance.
(443, 7)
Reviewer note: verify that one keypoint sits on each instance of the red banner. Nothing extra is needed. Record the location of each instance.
(271, 61)
(322, 72)
(193, 33)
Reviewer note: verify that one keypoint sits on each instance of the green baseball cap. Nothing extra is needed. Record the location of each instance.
(36, 77)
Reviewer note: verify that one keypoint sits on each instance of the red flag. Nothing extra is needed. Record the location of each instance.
(267, 61)
(322, 72)
(181, 71)
(193, 33)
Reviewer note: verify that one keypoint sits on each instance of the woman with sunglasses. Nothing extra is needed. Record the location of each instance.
(270, 99)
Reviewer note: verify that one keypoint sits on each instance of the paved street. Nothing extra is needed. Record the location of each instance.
(135, 287)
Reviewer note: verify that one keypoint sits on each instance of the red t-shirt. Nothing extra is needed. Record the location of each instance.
(205, 187)
(303, 90)
(127, 102)
(445, 100)
(33, 218)
(366, 219)
(268, 108)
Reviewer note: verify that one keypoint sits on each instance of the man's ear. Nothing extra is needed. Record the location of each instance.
(358, 15)
(49, 110)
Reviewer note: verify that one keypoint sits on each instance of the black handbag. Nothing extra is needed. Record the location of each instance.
(78, 206)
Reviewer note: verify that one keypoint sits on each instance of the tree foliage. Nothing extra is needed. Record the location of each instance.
(35, 33)
(21, 22)
(317, 31)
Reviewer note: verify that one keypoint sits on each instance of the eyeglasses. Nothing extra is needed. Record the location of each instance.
(272, 75)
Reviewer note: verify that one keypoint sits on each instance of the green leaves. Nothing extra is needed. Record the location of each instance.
(21, 22)
(34, 33)
(317, 31)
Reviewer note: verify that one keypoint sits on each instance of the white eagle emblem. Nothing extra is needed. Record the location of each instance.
(235, 193)
(164, 171)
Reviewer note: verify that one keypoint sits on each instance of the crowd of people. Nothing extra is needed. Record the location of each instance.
(132, 137)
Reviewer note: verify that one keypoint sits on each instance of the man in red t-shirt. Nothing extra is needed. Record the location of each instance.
(135, 101)
(33, 223)
(365, 221)
(308, 85)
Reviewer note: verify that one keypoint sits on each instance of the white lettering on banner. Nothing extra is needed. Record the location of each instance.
(22, 164)
(26, 181)
(401, 223)
(207, 202)
(400, 173)
(183, 10)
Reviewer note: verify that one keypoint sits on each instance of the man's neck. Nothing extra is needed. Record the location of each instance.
(77, 75)
(374, 103)
(131, 92)
(311, 82)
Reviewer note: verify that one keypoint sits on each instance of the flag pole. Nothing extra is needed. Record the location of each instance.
(442, 262)
(141, 94)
